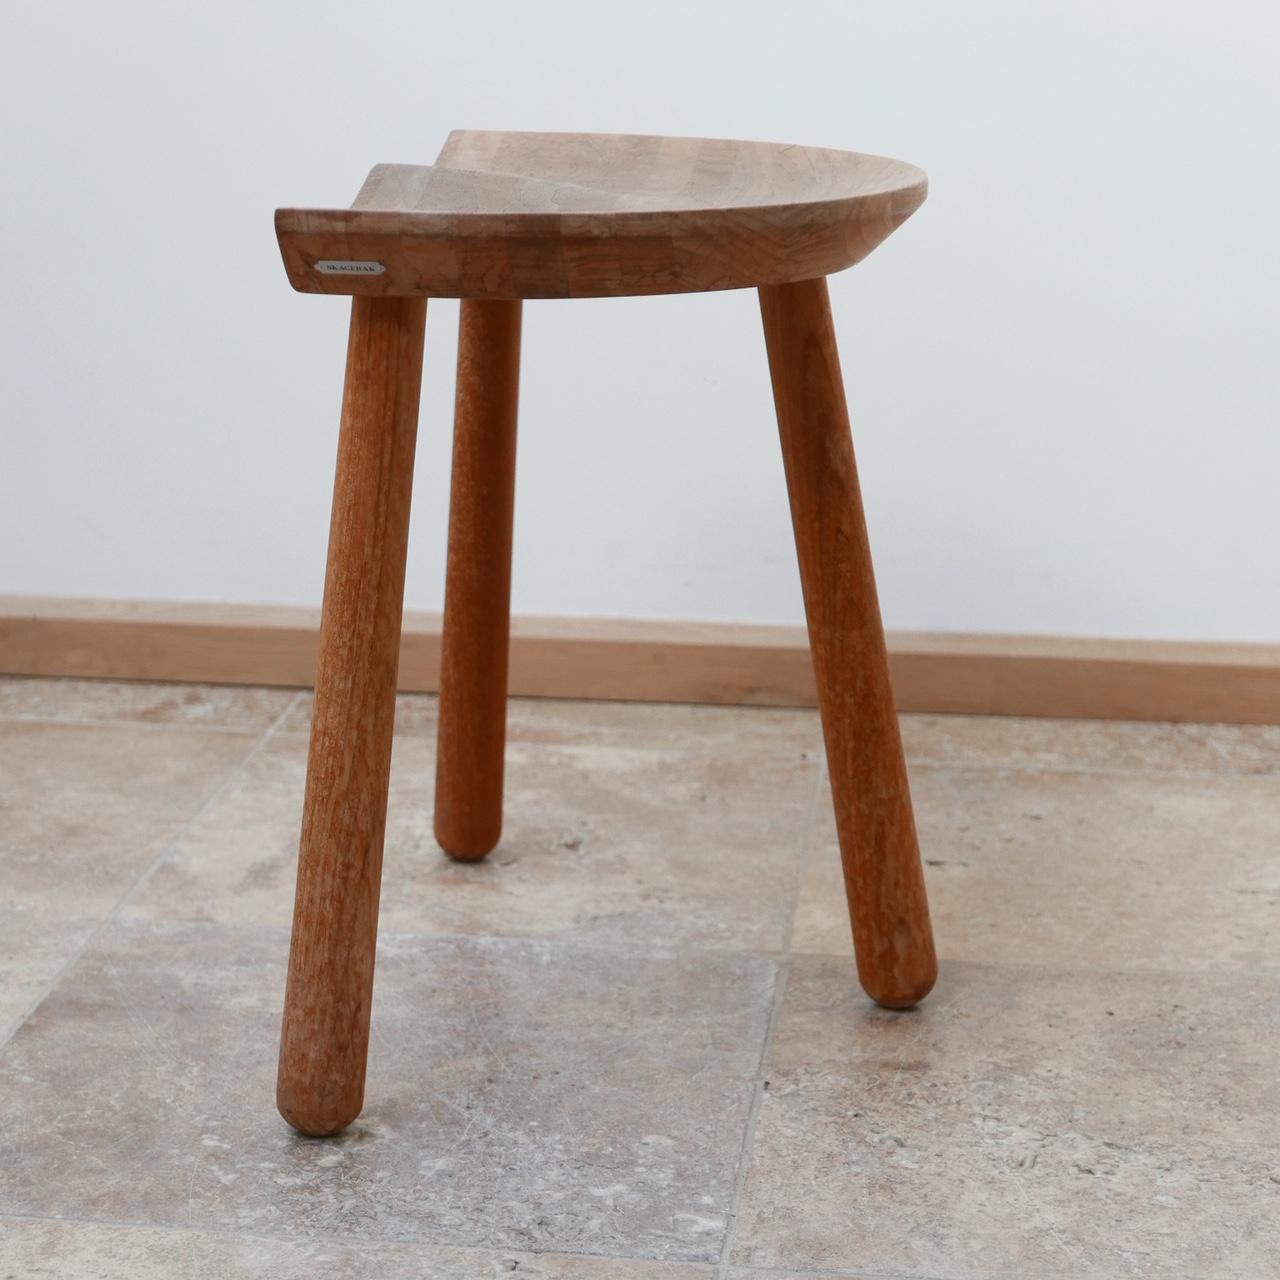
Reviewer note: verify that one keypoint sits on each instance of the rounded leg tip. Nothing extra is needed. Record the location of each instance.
(460, 854)
(316, 1121)
(467, 846)
(901, 995)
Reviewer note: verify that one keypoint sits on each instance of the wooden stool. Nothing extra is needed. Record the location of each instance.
(502, 217)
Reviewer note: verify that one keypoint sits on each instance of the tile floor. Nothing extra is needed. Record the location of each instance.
(631, 1044)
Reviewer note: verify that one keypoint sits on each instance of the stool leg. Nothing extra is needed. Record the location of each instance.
(472, 732)
(892, 937)
(325, 1039)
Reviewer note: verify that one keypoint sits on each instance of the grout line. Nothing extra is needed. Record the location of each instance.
(228, 782)
(1012, 766)
(933, 764)
(687, 951)
(753, 1117)
(841, 1273)
(921, 761)
(233, 775)
(408, 1243)
(807, 846)
(775, 1010)
(1034, 967)
(149, 726)
(498, 1253)
(341, 1240)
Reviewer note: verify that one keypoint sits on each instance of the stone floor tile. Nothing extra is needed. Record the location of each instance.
(1022, 1122)
(35, 946)
(636, 846)
(84, 809)
(1081, 870)
(522, 1095)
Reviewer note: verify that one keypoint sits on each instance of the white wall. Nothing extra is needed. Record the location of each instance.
(1063, 370)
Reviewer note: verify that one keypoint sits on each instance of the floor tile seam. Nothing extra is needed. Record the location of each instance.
(952, 766)
(147, 726)
(230, 776)
(737, 750)
(777, 995)
(914, 760)
(657, 750)
(842, 1273)
(409, 1242)
(341, 1240)
(1206, 887)
(808, 842)
(747, 751)
(1069, 970)
(233, 776)
(685, 951)
(747, 1145)
(690, 950)
(838, 1273)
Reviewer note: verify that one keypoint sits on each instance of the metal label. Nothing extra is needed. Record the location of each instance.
(344, 267)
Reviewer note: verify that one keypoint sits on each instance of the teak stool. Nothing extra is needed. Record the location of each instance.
(502, 217)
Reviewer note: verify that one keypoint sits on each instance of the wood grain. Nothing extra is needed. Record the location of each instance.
(883, 877)
(561, 215)
(325, 1036)
(472, 734)
(643, 660)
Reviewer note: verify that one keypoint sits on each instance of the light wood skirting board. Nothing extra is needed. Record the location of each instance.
(661, 661)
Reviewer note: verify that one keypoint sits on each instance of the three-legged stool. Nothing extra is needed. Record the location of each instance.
(502, 217)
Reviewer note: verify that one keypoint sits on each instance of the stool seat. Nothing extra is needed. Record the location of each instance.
(577, 215)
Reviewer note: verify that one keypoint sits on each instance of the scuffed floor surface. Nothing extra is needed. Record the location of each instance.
(631, 1044)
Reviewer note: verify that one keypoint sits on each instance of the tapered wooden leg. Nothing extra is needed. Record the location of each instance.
(477, 602)
(325, 1040)
(892, 937)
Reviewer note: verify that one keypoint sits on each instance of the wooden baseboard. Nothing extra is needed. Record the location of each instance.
(661, 661)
